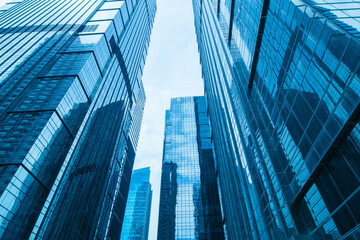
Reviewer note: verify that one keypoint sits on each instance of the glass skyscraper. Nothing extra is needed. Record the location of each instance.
(71, 103)
(189, 198)
(138, 206)
(282, 83)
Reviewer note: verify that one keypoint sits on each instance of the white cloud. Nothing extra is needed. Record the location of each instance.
(3, 2)
(172, 70)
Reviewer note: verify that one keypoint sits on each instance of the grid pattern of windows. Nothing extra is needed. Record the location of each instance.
(189, 201)
(138, 206)
(71, 104)
(282, 82)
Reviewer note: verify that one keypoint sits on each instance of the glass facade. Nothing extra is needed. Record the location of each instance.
(138, 206)
(189, 198)
(71, 103)
(283, 88)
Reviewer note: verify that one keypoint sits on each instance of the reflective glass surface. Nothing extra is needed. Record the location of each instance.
(189, 200)
(282, 83)
(71, 104)
(138, 206)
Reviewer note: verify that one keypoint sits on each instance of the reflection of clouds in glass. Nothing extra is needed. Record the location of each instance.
(188, 145)
(181, 136)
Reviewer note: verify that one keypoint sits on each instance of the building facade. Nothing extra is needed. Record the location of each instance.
(71, 103)
(282, 83)
(189, 198)
(138, 207)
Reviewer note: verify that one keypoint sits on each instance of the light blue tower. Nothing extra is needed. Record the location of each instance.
(189, 197)
(138, 206)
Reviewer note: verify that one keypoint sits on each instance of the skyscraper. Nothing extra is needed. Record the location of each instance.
(71, 103)
(282, 84)
(138, 206)
(189, 200)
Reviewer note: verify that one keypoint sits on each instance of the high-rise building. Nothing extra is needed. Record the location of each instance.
(189, 198)
(282, 83)
(138, 206)
(71, 103)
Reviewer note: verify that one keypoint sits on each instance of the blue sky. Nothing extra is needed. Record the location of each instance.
(172, 69)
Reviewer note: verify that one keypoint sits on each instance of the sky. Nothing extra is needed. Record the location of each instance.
(172, 69)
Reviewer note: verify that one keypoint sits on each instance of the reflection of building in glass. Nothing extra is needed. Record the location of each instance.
(71, 103)
(283, 88)
(189, 197)
(138, 205)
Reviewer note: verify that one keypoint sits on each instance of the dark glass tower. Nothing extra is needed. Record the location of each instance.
(138, 206)
(189, 198)
(282, 83)
(71, 103)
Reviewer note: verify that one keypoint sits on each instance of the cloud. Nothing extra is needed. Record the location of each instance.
(3, 2)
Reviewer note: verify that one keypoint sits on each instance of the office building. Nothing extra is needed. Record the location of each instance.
(189, 198)
(71, 103)
(138, 207)
(283, 88)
